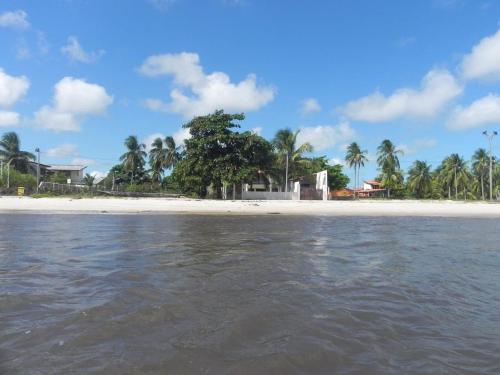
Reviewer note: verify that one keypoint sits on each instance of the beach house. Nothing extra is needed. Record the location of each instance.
(371, 189)
(73, 173)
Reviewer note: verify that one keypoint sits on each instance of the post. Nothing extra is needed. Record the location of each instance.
(8, 174)
(286, 174)
(490, 139)
(37, 170)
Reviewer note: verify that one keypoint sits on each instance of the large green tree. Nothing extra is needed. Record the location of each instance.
(216, 154)
(10, 152)
(390, 176)
(134, 159)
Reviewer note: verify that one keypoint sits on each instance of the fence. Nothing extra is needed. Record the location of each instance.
(64, 188)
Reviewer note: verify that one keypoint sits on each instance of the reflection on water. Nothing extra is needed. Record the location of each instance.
(177, 294)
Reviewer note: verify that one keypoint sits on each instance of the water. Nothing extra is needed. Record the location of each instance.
(118, 294)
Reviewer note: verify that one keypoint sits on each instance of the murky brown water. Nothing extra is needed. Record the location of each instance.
(98, 294)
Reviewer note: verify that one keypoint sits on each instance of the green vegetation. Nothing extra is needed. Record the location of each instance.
(356, 158)
(217, 155)
(11, 153)
(59, 178)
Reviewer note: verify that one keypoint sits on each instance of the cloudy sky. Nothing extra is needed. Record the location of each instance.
(78, 76)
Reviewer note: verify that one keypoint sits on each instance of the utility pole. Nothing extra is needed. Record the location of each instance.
(490, 137)
(286, 174)
(8, 174)
(37, 150)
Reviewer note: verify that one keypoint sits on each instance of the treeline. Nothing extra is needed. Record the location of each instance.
(453, 178)
(216, 155)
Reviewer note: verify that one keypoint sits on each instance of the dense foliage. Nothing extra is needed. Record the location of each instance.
(218, 155)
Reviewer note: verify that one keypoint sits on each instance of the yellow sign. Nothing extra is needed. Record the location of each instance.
(20, 191)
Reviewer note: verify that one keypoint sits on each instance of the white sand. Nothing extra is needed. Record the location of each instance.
(194, 206)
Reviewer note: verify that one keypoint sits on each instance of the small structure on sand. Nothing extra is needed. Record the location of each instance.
(371, 189)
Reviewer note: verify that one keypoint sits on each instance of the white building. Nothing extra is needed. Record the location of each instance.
(74, 173)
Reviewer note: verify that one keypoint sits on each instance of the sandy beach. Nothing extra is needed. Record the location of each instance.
(195, 206)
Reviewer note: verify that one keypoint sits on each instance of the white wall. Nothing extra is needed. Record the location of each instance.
(268, 195)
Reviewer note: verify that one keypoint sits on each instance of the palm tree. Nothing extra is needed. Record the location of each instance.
(11, 153)
(133, 159)
(480, 166)
(163, 154)
(457, 165)
(356, 159)
(157, 156)
(285, 145)
(388, 162)
(89, 180)
(173, 153)
(419, 179)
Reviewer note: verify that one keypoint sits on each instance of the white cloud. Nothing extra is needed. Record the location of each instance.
(73, 100)
(8, 119)
(326, 136)
(12, 89)
(17, 19)
(83, 161)
(74, 51)
(309, 106)
(62, 151)
(483, 111)
(205, 92)
(484, 60)
(417, 146)
(180, 136)
(257, 130)
(438, 88)
(336, 161)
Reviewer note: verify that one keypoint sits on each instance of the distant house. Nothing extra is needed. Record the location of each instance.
(73, 173)
(371, 189)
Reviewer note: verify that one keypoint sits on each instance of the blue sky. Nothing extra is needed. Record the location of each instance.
(79, 76)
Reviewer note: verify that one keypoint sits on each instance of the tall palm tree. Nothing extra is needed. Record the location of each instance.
(285, 145)
(10, 152)
(480, 166)
(457, 165)
(356, 158)
(157, 156)
(388, 162)
(133, 159)
(419, 179)
(163, 154)
(173, 153)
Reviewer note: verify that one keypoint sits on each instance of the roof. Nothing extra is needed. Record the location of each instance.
(34, 163)
(66, 167)
(372, 182)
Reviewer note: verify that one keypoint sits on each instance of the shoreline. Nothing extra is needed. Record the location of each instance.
(159, 206)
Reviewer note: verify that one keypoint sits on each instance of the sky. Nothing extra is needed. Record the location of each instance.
(79, 76)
